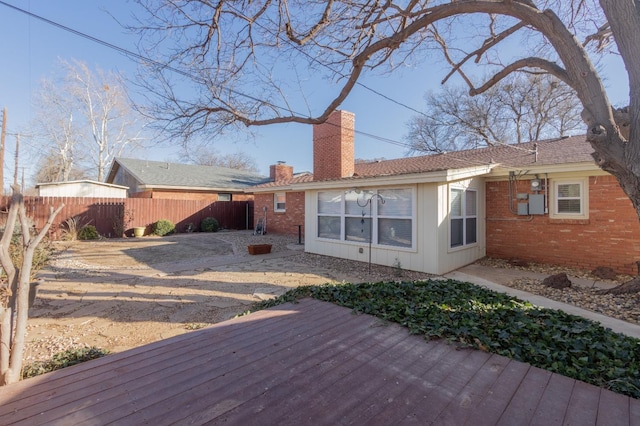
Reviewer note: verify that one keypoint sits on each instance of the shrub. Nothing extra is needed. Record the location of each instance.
(209, 224)
(88, 232)
(63, 359)
(71, 228)
(163, 227)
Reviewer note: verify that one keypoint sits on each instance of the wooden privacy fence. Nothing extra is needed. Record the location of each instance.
(110, 215)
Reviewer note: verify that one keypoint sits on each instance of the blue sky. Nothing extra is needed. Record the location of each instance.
(31, 50)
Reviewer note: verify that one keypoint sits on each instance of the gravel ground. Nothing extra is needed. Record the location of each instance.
(359, 271)
(67, 334)
(625, 307)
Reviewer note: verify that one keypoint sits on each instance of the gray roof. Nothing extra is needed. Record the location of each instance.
(154, 174)
(559, 151)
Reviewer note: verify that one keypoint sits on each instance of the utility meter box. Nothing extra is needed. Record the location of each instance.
(523, 209)
(536, 204)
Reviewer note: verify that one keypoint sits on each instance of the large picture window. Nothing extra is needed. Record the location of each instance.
(363, 217)
(330, 215)
(463, 213)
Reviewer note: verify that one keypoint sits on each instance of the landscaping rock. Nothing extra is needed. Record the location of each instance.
(558, 281)
(604, 273)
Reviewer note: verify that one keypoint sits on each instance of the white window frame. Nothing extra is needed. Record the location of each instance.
(374, 217)
(584, 198)
(224, 196)
(464, 217)
(275, 202)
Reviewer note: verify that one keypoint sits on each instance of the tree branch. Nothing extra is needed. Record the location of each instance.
(548, 66)
(488, 43)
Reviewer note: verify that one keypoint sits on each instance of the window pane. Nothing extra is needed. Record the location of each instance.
(470, 203)
(329, 202)
(456, 202)
(394, 232)
(569, 206)
(357, 229)
(397, 202)
(471, 234)
(568, 190)
(351, 203)
(456, 232)
(329, 227)
(280, 201)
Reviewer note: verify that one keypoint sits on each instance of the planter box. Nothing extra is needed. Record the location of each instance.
(259, 248)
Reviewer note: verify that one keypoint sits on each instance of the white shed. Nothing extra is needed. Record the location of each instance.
(81, 188)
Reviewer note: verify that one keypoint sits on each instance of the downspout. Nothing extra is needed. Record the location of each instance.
(546, 193)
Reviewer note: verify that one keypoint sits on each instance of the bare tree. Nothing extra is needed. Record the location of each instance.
(236, 54)
(14, 292)
(103, 102)
(86, 119)
(208, 157)
(57, 130)
(520, 108)
(51, 167)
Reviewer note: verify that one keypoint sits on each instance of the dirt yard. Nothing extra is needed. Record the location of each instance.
(119, 294)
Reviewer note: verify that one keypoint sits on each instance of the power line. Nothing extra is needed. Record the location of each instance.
(314, 60)
(144, 59)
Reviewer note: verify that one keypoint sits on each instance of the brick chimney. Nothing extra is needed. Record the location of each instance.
(333, 146)
(280, 172)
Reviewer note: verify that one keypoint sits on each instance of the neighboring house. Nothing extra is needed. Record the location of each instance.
(81, 188)
(160, 179)
(544, 202)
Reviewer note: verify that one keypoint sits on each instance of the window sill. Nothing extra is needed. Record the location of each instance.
(557, 221)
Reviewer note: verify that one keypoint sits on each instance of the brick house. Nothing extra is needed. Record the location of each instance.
(545, 202)
(163, 180)
(277, 203)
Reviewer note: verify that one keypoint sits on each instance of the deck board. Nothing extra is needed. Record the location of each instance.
(308, 363)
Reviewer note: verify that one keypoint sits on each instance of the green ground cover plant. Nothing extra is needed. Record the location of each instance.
(63, 359)
(495, 322)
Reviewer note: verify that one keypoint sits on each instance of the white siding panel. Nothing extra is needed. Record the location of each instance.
(451, 259)
(425, 255)
(81, 189)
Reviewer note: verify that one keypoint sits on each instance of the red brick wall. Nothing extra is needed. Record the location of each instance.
(280, 172)
(281, 222)
(610, 237)
(333, 147)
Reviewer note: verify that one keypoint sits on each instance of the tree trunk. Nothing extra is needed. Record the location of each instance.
(9, 288)
(14, 311)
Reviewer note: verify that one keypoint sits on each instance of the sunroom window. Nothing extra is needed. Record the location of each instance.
(463, 216)
(363, 217)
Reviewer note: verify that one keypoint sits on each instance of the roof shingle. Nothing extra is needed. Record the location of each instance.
(164, 174)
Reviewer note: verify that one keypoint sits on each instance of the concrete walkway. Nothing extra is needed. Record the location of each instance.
(496, 278)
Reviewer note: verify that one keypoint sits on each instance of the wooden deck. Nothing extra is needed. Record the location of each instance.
(308, 363)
